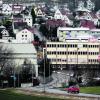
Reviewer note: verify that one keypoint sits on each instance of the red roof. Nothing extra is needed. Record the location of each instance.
(88, 24)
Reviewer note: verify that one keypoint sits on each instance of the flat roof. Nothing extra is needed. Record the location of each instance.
(74, 29)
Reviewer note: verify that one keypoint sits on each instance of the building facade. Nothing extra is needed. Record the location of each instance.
(64, 33)
(82, 53)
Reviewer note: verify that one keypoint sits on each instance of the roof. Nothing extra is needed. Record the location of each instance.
(93, 15)
(95, 30)
(82, 9)
(88, 24)
(73, 29)
(20, 25)
(20, 48)
(55, 23)
(2, 27)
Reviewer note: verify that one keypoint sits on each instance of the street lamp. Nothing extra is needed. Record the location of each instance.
(44, 50)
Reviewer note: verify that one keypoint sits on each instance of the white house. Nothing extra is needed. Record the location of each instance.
(17, 8)
(24, 36)
(5, 33)
(63, 16)
(58, 14)
(21, 52)
(98, 14)
(90, 5)
(28, 19)
(40, 13)
(7, 9)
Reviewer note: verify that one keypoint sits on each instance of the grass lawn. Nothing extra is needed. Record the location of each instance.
(8, 95)
(90, 90)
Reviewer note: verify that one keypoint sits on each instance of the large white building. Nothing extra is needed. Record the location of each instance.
(73, 52)
(76, 47)
(64, 33)
(21, 52)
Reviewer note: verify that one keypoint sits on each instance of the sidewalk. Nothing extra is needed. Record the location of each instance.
(57, 93)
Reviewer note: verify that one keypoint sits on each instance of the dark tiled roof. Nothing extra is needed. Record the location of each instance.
(20, 25)
(55, 23)
(88, 24)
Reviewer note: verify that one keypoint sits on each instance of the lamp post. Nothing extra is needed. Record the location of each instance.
(44, 50)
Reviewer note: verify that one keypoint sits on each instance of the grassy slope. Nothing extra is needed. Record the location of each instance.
(7, 95)
(90, 90)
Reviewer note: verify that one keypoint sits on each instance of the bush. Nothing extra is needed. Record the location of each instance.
(71, 83)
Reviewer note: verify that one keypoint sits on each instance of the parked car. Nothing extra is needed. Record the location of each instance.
(73, 89)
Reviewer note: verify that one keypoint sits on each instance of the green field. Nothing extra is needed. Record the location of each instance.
(90, 90)
(8, 95)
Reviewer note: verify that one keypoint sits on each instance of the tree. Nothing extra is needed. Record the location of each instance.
(27, 71)
(44, 30)
(6, 61)
(33, 15)
(45, 63)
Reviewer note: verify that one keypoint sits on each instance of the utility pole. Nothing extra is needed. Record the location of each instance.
(44, 68)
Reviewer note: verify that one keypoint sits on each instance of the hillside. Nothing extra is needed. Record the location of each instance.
(71, 2)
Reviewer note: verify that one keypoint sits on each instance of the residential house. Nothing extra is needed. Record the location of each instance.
(24, 36)
(63, 15)
(7, 9)
(28, 19)
(58, 14)
(98, 14)
(4, 34)
(39, 12)
(20, 52)
(17, 8)
(18, 26)
(23, 18)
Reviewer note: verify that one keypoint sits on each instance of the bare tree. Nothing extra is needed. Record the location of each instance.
(6, 61)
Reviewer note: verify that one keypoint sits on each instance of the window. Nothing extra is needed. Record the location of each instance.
(50, 45)
(63, 53)
(47, 45)
(22, 35)
(58, 45)
(84, 45)
(65, 45)
(25, 35)
(75, 45)
(68, 45)
(96, 46)
(54, 45)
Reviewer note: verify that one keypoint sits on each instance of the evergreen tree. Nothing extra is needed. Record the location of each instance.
(33, 15)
